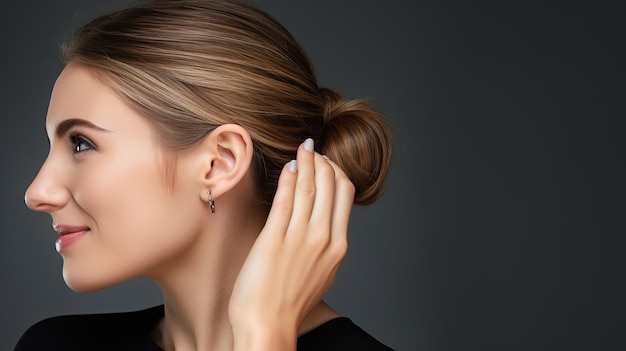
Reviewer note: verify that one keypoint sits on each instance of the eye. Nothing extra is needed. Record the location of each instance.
(80, 144)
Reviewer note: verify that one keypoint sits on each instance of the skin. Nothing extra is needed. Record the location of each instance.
(228, 283)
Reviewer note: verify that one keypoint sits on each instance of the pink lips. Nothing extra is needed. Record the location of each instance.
(68, 235)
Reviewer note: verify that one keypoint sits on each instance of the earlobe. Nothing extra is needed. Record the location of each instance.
(230, 150)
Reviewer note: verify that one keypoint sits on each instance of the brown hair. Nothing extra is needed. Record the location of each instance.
(192, 65)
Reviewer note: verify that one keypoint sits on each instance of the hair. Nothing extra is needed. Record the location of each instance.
(192, 65)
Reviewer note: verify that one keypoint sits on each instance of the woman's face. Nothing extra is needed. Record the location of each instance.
(104, 185)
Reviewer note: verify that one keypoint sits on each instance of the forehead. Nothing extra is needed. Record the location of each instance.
(78, 94)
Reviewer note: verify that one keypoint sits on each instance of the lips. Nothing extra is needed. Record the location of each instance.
(68, 235)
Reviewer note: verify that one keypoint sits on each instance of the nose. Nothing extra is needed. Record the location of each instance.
(47, 192)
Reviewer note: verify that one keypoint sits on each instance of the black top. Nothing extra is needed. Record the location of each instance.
(131, 331)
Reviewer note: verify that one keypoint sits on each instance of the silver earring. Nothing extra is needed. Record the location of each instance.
(211, 203)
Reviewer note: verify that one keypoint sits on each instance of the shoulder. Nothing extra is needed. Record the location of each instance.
(121, 331)
(339, 334)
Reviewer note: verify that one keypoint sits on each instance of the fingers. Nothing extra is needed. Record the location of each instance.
(324, 206)
(313, 193)
(283, 203)
(305, 186)
(322, 212)
(344, 198)
(295, 260)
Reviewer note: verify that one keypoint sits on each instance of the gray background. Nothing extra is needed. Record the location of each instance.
(501, 226)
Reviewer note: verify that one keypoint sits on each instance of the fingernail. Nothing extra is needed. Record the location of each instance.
(308, 144)
(293, 166)
(326, 157)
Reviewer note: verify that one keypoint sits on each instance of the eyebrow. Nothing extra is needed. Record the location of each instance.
(68, 124)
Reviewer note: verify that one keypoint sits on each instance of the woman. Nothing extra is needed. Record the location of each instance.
(172, 130)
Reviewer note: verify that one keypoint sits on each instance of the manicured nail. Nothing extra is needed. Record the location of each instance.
(308, 144)
(293, 166)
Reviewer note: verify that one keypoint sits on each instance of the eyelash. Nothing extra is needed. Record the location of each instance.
(80, 144)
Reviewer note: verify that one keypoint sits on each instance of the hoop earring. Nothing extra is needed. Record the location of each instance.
(211, 203)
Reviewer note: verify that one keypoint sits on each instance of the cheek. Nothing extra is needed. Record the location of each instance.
(124, 191)
(137, 223)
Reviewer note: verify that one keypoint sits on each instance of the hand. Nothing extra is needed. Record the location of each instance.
(295, 259)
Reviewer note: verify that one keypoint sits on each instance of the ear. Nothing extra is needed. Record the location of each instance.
(228, 151)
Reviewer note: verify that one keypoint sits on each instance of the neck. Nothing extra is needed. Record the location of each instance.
(198, 284)
(197, 287)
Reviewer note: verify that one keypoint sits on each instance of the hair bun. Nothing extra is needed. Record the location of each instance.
(358, 139)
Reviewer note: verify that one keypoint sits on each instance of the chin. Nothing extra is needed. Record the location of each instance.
(85, 282)
(82, 285)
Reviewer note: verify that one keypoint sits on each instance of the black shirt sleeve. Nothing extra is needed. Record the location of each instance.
(339, 334)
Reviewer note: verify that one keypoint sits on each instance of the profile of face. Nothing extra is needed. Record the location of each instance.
(106, 180)
(103, 183)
